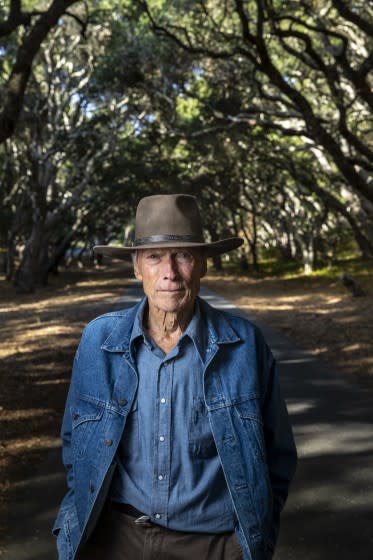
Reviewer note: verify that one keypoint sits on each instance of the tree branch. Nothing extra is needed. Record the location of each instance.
(186, 45)
(16, 86)
(354, 17)
(83, 24)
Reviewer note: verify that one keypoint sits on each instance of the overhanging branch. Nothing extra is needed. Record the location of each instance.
(16, 86)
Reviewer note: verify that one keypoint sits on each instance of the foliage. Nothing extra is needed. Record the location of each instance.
(262, 109)
(300, 74)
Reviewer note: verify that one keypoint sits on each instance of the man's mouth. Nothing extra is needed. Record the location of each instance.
(172, 291)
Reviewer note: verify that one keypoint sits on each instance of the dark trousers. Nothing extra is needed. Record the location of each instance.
(117, 537)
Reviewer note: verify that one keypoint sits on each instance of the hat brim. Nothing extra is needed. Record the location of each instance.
(210, 249)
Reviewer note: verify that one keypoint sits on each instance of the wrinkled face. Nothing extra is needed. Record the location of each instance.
(170, 277)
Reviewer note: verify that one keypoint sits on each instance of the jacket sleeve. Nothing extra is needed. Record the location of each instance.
(67, 458)
(280, 446)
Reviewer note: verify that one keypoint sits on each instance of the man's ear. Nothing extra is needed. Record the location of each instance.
(136, 268)
(137, 273)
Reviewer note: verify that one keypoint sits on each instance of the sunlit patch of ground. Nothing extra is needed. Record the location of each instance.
(316, 313)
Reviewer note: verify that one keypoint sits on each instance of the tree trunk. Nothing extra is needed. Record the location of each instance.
(251, 241)
(285, 243)
(244, 264)
(218, 265)
(59, 251)
(27, 275)
(9, 260)
(43, 268)
(254, 255)
(308, 253)
(254, 241)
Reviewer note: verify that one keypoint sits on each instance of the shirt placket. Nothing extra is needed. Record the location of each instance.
(162, 463)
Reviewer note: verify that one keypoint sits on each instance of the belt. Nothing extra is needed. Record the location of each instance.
(141, 519)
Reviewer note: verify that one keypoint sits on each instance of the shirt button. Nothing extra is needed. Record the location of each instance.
(160, 477)
(108, 442)
(161, 438)
(122, 402)
(157, 516)
(163, 400)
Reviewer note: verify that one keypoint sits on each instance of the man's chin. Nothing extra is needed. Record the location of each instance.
(172, 304)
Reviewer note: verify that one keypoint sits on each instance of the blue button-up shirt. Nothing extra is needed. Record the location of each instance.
(168, 466)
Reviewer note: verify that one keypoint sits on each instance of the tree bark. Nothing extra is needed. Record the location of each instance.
(27, 275)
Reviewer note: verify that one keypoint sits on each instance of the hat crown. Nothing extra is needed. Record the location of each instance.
(170, 216)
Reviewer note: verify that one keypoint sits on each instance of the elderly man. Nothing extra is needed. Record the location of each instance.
(175, 436)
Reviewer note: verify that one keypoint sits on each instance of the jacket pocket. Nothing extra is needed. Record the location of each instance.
(85, 414)
(249, 412)
(201, 441)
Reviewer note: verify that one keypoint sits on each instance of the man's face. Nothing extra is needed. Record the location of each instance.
(170, 277)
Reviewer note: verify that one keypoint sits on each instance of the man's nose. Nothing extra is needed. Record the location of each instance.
(170, 269)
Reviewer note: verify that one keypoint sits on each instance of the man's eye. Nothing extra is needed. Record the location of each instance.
(183, 256)
(152, 256)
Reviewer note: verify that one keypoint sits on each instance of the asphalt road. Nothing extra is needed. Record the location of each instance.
(329, 514)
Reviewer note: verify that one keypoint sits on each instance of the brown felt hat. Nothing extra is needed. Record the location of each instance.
(169, 220)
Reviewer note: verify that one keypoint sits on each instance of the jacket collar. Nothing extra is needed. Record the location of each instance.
(218, 324)
(218, 328)
(119, 338)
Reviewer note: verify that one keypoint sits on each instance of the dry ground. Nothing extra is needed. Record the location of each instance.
(318, 314)
(39, 334)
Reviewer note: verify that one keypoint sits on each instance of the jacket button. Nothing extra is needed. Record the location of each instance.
(108, 442)
(76, 416)
(122, 402)
(91, 488)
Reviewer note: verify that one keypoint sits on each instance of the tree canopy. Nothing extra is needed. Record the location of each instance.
(262, 109)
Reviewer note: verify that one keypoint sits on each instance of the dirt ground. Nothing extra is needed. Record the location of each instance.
(39, 334)
(318, 314)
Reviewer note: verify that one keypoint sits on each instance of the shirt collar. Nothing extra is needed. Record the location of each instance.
(196, 332)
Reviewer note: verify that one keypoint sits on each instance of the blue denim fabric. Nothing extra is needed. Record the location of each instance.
(168, 464)
(247, 415)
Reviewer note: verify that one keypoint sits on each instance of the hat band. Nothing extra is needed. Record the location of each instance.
(152, 239)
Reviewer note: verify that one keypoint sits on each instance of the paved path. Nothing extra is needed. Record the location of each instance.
(329, 514)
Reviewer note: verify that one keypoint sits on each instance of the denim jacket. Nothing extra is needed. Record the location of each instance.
(248, 418)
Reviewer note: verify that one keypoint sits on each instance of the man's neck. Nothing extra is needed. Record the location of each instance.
(166, 328)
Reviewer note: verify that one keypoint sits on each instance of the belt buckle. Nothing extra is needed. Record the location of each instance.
(143, 521)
